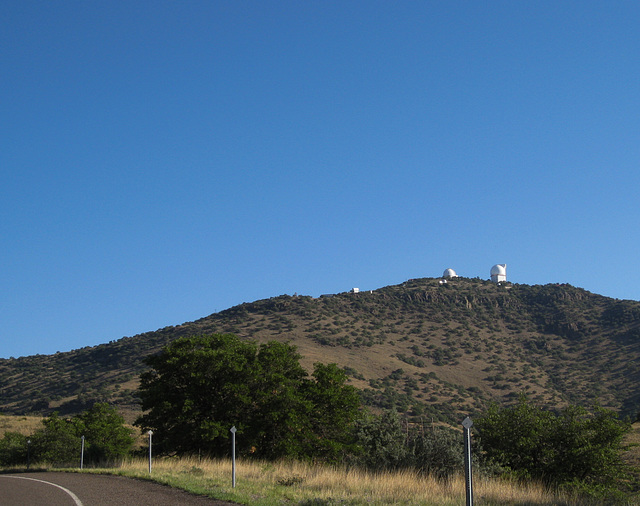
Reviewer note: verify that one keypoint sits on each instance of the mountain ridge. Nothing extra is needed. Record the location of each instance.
(426, 348)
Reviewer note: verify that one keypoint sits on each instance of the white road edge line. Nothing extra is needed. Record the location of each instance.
(71, 494)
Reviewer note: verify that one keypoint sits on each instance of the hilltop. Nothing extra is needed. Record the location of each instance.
(435, 351)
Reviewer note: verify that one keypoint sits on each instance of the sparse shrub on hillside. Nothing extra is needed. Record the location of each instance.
(350, 371)
(410, 360)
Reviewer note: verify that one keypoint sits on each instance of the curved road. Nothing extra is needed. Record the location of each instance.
(73, 489)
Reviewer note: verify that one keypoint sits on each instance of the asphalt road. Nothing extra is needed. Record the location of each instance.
(73, 489)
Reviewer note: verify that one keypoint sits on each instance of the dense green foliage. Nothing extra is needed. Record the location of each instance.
(106, 437)
(199, 387)
(387, 442)
(570, 446)
(59, 440)
(13, 449)
(383, 442)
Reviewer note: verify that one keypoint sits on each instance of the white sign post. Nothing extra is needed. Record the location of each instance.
(82, 453)
(467, 424)
(233, 456)
(150, 434)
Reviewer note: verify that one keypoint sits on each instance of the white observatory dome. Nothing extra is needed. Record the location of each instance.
(499, 273)
(449, 273)
(499, 269)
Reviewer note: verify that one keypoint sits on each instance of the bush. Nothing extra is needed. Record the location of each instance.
(13, 449)
(571, 446)
(389, 443)
(438, 452)
(382, 441)
(106, 436)
(56, 442)
(59, 442)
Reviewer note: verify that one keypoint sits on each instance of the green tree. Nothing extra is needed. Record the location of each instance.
(588, 446)
(106, 437)
(278, 425)
(388, 442)
(518, 437)
(571, 446)
(13, 449)
(438, 452)
(333, 420)
(383, 442)
(196, 390)
(200, 386)
(59, 439)
(56, 442)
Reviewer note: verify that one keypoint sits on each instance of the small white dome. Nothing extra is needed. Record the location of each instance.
(449, 273)
(499, 270)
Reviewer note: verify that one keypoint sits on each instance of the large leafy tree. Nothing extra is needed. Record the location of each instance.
(199, 387)
(334, 404)
(278, 413)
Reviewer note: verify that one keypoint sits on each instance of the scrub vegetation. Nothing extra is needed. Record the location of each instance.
(198, 387)
(430, 351)
(58, 441)
(363, 385)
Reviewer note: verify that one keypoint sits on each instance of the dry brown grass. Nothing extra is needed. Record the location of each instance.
(633, 440)
(23, 424)
(266, 483)
(632, 455)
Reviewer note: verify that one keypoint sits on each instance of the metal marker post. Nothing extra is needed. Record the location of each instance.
(150, 434)
(233, 456)
(82, 453)
(467, 424)
(28, 453)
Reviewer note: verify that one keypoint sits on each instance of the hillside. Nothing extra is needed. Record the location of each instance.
(436, 351)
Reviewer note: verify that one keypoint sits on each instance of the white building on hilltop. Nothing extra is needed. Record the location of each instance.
(449, 273)
(499, 273)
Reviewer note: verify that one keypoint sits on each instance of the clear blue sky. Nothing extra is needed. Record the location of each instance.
(162, 160)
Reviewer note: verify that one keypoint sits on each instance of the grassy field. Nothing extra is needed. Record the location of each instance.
(267, 483)
(23, 424)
